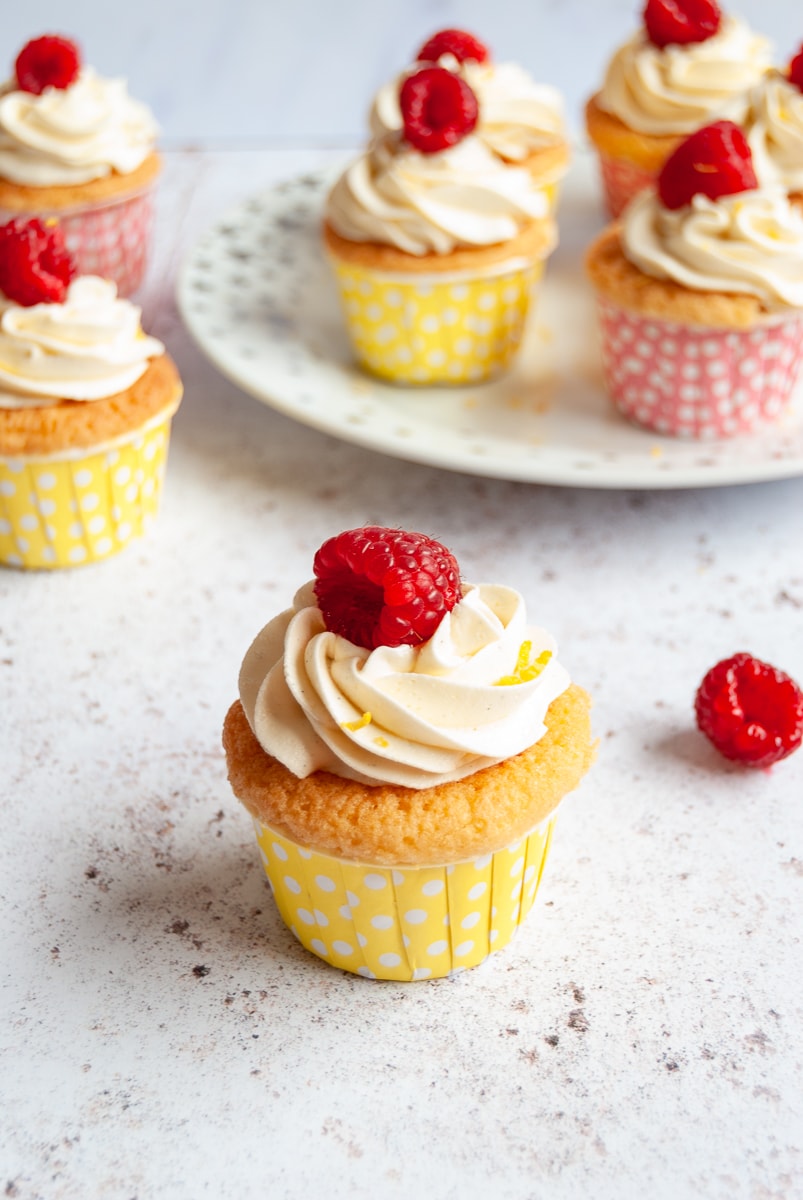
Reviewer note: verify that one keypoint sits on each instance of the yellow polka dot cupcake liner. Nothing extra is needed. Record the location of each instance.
(403, 923)
(81, 506)
(436, 329)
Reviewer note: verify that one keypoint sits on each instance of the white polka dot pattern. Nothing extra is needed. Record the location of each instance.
(689, 381)
(621, 181)
(438, 329)
(403, 923)
(111, 239)
(65, 512)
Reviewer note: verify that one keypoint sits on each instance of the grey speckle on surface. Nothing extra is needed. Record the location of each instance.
(165, 1035)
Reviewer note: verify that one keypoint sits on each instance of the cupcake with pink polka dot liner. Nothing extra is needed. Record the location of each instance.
(76, 147)
(700, 292)
(86, 401)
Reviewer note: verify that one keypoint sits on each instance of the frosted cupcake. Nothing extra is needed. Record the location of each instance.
(86, 400)
(775, 131)
(402, 742)
(519, 120)
(701, 294)
(436, 242)
(76, 147)
(688, 65)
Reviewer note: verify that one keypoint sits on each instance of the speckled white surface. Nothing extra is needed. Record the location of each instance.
(163, 1034)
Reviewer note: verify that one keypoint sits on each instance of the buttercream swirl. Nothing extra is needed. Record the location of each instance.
(775, 133)
(676, 89)
(749, 243)
(517, 116)
(437, 711)
(90, 347)
(433, 203)
(72, 135)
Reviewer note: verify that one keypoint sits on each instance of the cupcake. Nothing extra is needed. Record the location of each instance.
(775, 130)
(436, 242)
(688, 65)
(402, 741)
(86, 400)
(701, 294)
(519, 120)
(76, 147)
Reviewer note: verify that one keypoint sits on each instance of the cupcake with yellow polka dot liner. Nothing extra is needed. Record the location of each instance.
(520, 120)
(403, 741)
(74, 146)
(775, 129)
(700, 293)
(436, 242)
(86, 400)
(689, 64)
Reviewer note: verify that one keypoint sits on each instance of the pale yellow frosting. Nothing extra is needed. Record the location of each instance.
(676, 89)
(463, 196)
(750, 243)
(409, 715)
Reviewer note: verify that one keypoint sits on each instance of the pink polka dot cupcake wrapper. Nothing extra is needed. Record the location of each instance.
(621, 181)
(84, 506)
(696, 382)
(110, 239)
(438, 329)
(403, 923)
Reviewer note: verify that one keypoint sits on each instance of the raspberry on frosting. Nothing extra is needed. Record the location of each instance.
(751, 711)
(715, 161)
(49, 61)
(796, 70)
(385, 587)
(681, 22)
(438, 109)
(458, 43)
(35, 265)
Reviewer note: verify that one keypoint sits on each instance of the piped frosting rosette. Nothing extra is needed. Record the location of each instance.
(673, 90)
(775, 132)
(87, 348)
(72, 135)
(474, 694)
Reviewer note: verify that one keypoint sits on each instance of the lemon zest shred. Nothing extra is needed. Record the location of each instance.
(525, 671)
(353, 726)
(383, 743)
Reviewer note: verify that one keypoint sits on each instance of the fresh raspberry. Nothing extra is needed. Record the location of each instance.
(751, 711)
(714, 161)
(457, 42)
(438, 109)
(796, 70)
(681, 22)
(49, 61)
(35, 265)
(385, 587)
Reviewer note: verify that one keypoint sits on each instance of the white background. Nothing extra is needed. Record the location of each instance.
(255, 72)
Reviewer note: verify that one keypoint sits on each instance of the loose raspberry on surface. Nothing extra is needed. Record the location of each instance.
(796, 70)
(750, 710)
(438, 109)
(49, 61)
(35, 265)
(715, 161)
(458, 43)
(385, 587)
(681, 22)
